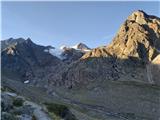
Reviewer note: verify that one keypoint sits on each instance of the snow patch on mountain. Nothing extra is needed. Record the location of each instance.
(58, 52)
(75, 47)
(26, 82)
(63, 47)
(55, 52)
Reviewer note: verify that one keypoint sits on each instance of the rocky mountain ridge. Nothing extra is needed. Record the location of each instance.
(135, 45)
(35, 63)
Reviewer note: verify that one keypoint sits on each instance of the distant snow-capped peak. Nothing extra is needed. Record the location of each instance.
(58, 52)
(81, 46)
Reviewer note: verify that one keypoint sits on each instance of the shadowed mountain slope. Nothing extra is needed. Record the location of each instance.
(29, 61)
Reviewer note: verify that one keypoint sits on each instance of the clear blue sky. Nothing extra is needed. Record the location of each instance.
(68, 23)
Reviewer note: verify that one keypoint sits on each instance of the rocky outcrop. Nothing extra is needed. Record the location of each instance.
(73, 53)
(156, 60)
(70, 55)
(10, 42)
(16, 107)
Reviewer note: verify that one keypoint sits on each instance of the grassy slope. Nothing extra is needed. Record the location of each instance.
(39, 96)
(129, 99)
(138, 100)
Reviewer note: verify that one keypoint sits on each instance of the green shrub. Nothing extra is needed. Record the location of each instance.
(60, 111)
(34, 117)
(18, 102)
(57, 109)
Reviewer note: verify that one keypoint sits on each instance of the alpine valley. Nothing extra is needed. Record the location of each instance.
(120, 81)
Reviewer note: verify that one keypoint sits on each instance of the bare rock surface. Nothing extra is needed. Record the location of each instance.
(26, 111)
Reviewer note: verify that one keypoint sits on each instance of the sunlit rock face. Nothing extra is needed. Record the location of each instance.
(138, 36)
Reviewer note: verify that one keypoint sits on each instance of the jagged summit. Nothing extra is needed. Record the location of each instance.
(138, 16)
(28, 40)
(81, 46)
(138, 36)
(11, 42)
(73, 53)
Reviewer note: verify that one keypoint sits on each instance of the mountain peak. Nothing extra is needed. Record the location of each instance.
(139, 13)
(139, 17)
(11, 42)
(29, 41)
(138, 37)
(81, 46)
